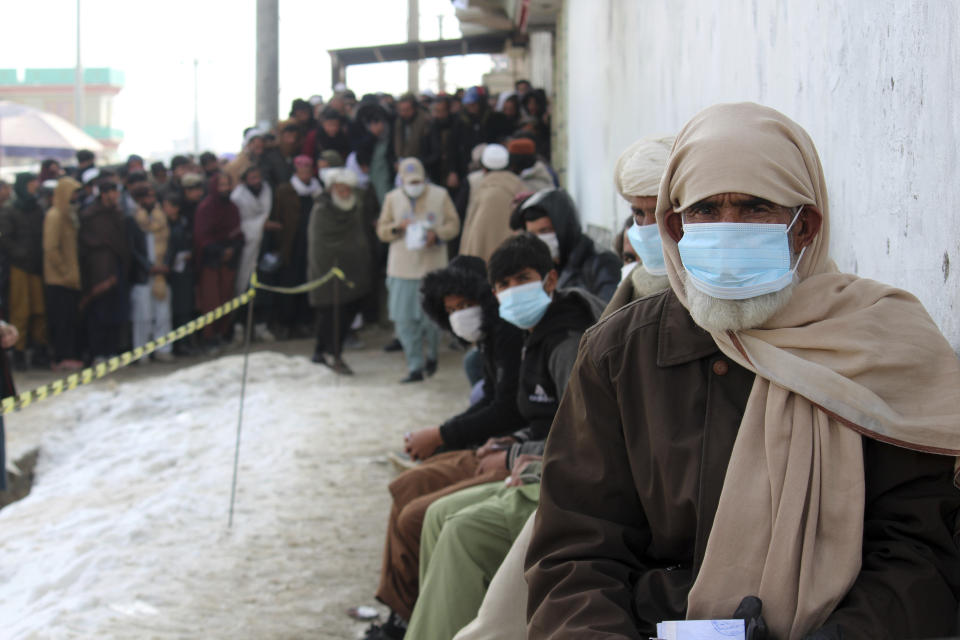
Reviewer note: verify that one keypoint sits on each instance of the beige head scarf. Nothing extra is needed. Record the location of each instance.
(640, 167)
(155, 222)
(845, 357)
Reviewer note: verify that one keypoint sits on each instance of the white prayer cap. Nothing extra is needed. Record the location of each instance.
(640, 167)
(495, 157)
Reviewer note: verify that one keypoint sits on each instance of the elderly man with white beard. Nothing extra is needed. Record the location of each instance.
(769, 439)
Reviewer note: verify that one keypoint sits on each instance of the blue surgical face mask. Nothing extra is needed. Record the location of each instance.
(737, 260)
(524, 305)
(645, 240)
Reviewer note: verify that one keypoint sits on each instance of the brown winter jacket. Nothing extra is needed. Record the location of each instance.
(410, 138)
(337, 238)
(488, 217)
(632, 474)
(103, 246)
(286, 211)
(61, 266)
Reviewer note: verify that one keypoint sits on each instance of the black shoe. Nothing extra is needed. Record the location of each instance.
(393, 346)
(184, 349)
(337, 365)
(341, 368)
(413, 376)
(302, 331)
(213, 346)
(19, 361)
(393, 629)
(431, 367)
(39, 359)
(353, 342)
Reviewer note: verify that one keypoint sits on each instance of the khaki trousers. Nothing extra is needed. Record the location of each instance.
(413, 491)
(27, 309)
(503, 614)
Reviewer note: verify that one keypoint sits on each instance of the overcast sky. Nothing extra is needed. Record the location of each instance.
(154, 44)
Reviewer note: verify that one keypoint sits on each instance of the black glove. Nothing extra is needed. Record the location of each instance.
(753, 623)
(829, 632)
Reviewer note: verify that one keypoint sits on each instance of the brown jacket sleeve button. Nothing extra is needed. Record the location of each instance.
(720, 367)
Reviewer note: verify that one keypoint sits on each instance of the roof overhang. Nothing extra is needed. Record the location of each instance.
(509, 16)
(487, 43)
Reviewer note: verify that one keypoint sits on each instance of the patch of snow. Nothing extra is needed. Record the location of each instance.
(124, 534)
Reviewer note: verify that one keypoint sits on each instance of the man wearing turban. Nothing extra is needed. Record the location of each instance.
(768, 439)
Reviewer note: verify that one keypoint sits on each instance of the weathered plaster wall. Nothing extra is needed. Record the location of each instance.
(876, 83)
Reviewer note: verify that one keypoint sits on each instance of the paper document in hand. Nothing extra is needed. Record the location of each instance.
(416, 236)
(701, 630)
(180, 261)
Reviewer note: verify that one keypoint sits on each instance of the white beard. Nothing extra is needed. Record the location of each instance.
(344, 204)
(645, 283)
(717, 316)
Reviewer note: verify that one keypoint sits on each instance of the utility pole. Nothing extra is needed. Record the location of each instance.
(268, 66)
(196, 110)
(78, 81)
(441, 83)
(413, 35)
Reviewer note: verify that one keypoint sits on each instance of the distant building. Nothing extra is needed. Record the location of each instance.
(51, 90)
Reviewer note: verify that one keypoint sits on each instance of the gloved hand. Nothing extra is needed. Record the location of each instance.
(828, 632)
(754, 624)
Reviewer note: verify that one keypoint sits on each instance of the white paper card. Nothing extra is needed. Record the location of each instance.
(701, 630)
(416, 236)
(180, 261)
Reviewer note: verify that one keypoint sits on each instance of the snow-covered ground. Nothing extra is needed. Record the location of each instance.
(125, 532)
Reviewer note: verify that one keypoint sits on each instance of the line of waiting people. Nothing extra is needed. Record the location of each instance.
(743, 432)
(112, 256)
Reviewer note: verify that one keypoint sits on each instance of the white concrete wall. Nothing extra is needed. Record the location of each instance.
(876, 83)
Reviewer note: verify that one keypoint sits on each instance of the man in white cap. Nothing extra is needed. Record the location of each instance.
(249, 157)
(488, 217)
(336, 238)
(416, 220)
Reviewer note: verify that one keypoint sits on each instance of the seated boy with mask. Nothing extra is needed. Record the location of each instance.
(552, 215)
(524, 277)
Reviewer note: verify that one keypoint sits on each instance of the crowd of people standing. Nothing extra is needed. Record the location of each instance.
(100, 258)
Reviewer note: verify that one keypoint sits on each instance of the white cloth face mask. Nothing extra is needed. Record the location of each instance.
(467, 323)
(552, 242)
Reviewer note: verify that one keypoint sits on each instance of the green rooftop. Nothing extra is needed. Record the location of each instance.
(103, 133)
(41, 77)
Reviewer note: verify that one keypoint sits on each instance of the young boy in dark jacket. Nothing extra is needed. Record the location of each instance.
(551, 321)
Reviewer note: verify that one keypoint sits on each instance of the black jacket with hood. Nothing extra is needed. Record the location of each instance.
(21, 228)
(501, 346)
(581, 264)
(549, 352)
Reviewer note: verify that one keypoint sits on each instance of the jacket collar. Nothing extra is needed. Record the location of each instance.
(680, 340)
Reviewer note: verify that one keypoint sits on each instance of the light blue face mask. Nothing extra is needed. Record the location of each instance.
(645, 240)
(737, 260)
(524, 305)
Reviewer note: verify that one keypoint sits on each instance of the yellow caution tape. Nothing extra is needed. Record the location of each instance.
(92, 374)
(303, 288)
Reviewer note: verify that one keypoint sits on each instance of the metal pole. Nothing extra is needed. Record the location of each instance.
(441, 83)
(196, 110)
(268, 65)
(413, 35)
(243, 395)
(337, 347)
(78, 116)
